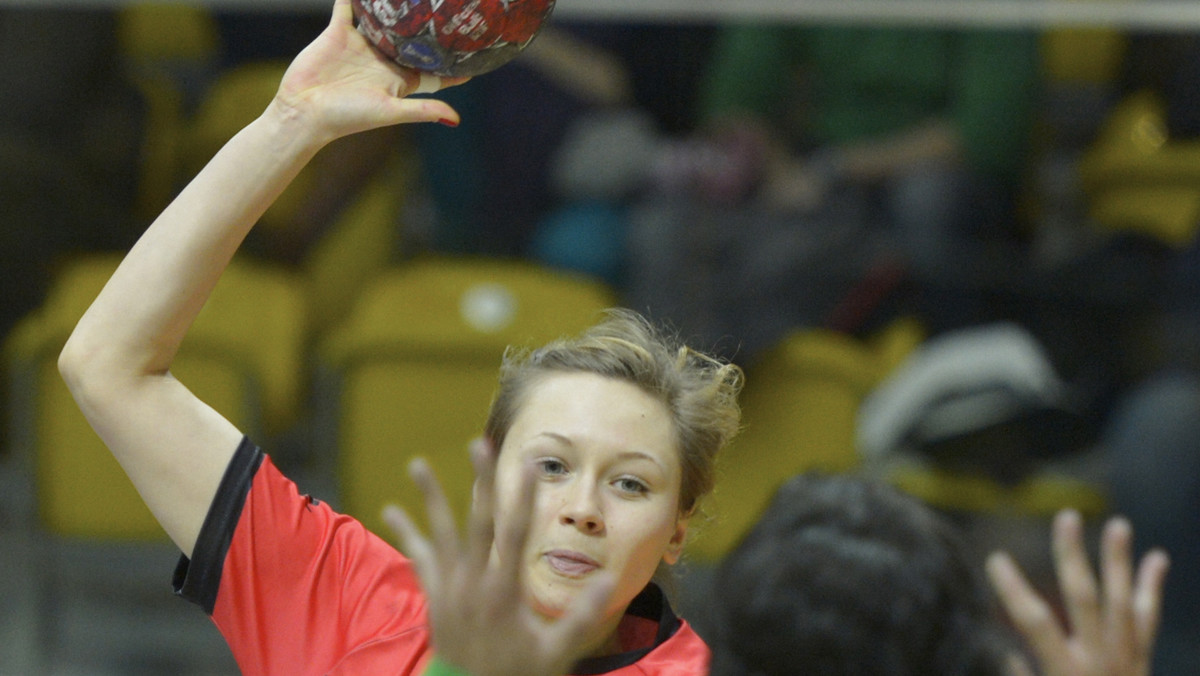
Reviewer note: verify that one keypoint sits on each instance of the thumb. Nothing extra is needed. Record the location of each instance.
(420, 82)
(423, 110)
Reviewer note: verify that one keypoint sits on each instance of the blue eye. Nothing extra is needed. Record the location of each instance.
(551, 466)
(631, 485)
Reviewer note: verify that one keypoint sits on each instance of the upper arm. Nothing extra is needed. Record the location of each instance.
(172, 445)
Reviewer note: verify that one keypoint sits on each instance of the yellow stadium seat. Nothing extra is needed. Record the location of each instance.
(235, 98)
(243, 357)
(799, 409)
(362, 237)
(1138, 179)
(1080, 73)
(167, 32)
(87, 526)
(412, 369)
(360, 244)
(1039, 495)
(1075, 55)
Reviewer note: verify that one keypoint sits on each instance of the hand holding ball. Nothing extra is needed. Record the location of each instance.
(451, 38)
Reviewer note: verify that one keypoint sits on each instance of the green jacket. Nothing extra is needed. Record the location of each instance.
(836, 84)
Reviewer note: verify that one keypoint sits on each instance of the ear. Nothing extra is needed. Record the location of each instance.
(678, 538)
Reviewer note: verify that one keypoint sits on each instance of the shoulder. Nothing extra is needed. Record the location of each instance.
(281, 568)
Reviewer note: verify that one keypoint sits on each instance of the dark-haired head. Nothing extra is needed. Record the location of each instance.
(845, 576)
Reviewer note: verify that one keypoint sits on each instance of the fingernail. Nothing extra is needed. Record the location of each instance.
(1068, 516)
(418, 468)
(390, 513)
(476, 448)
(1121, 523)
(447, 122)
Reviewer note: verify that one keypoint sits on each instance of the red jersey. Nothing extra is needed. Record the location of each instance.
(297, 588)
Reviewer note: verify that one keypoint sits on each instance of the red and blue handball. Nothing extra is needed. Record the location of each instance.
(451, 38)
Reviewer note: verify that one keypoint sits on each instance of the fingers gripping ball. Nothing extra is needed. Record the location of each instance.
(451, 38)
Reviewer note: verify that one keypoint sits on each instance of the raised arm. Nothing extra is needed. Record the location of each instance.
(116, 363)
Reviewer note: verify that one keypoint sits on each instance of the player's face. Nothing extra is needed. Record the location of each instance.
(607, 487)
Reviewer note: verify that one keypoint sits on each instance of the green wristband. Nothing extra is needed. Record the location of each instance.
(437, 667)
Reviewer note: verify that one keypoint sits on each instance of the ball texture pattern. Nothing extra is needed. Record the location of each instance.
(451, 38)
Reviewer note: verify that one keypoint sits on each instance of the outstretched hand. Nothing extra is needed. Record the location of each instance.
(343, 85)
(481, 622)
(1111, 626)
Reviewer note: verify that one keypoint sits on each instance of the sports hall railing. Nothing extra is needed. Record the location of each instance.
(1156, 15)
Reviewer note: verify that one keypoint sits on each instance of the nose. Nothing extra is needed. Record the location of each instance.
(581, 509)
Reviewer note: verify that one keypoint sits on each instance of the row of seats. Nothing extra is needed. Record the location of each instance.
(410, 370)
(242, 355)
(193, 105)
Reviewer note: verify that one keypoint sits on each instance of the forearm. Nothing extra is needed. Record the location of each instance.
(136, 324)
(173, 447)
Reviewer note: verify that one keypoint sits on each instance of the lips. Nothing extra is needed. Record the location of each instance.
(570, 563)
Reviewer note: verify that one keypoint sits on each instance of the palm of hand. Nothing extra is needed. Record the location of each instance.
(481, 622)
(341, 85)
(1112, 623)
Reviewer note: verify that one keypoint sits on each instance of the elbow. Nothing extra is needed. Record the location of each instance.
(96, 389)
(73, 365)
(86, 367)
(99, 372)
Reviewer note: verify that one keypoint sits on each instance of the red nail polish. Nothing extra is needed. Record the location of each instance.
(447, 122)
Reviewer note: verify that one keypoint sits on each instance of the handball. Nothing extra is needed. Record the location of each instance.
(451, 38)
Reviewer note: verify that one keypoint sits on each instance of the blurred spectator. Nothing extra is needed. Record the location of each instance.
(1151, 442)
(832, 147)
(1151, 433)
(911, 113)
(1153, 447)
(492, 180)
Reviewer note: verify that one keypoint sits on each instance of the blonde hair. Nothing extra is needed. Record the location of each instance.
(699, 391)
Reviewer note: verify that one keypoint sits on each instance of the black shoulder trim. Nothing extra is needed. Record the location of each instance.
(651, 604)
(199, 579)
